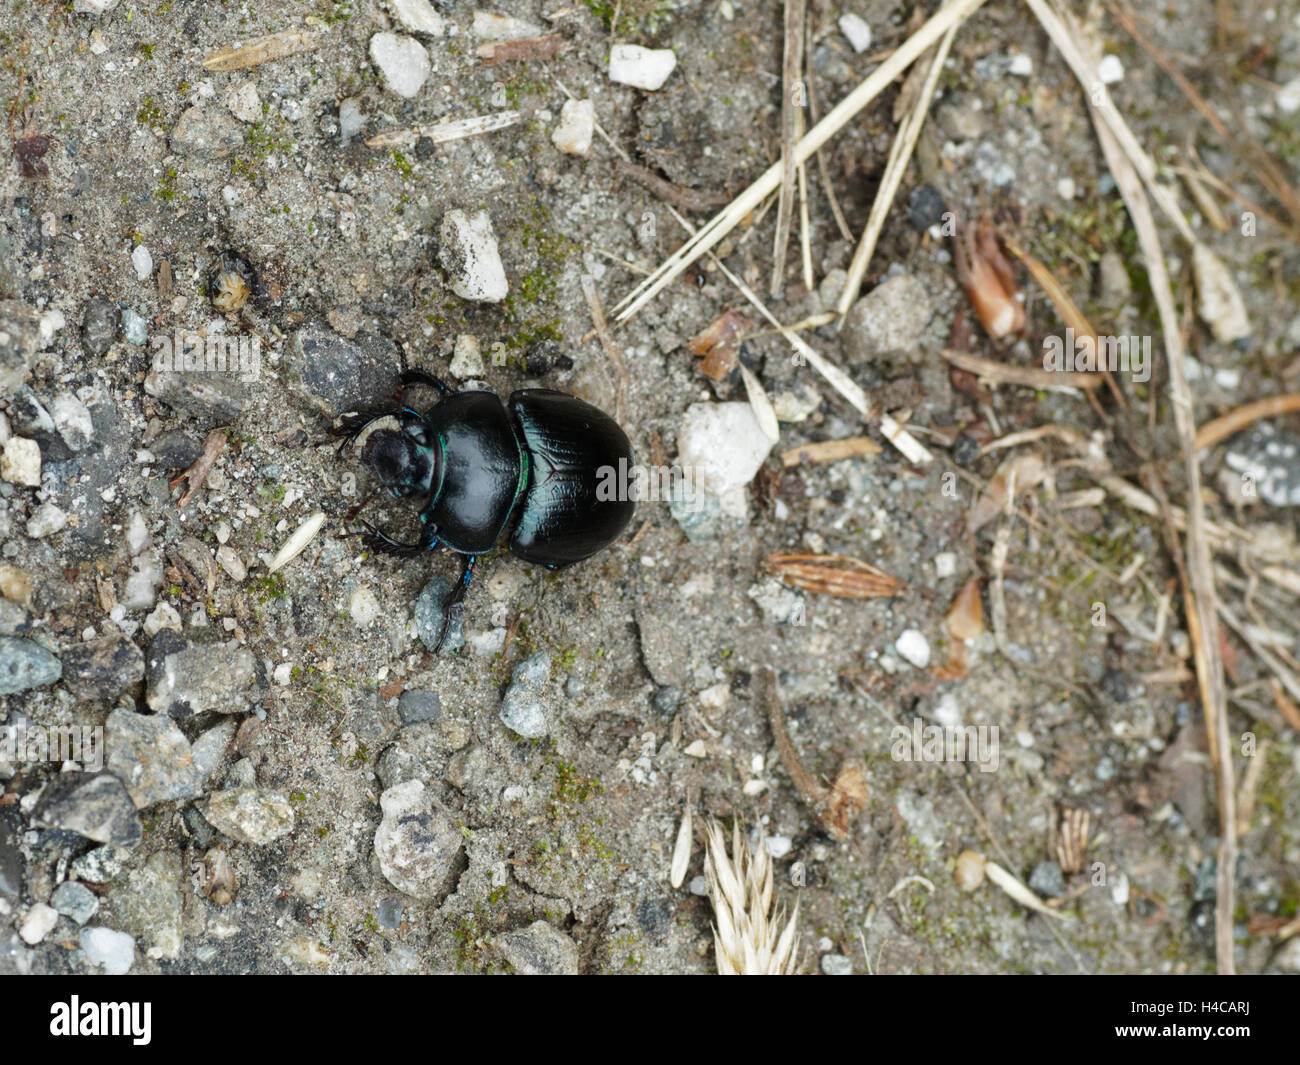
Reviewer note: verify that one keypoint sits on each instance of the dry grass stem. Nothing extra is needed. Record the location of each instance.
(1234, 421)
(830, 451)
(791, 107)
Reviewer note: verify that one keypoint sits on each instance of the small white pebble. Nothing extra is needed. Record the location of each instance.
(283, 674)
(642, 68)
(1110, 70)
(945, 564)
(778, 846)
(1021, 65)
(1065, 188)
(142, 260)
(914, 647)
(855, 29)
(40, 922)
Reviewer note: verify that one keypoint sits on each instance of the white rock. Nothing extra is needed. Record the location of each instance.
(402, 60)
(98, 46)
(1110, 70)
(231, 562)
(855, 28)
(112, 951)
(642, 68)
(352, 119)
(51, 322)
(468, 252)
(467, 360)
(721, 445)
(945, 564)
(142, 260)
(778, 601)
(72, 420)
(46, 520)
(244, 103)
(20, 462)
(93, 7)
(714, 699)
(1288, 96)
(1220, 305)
(1021, 65)
(1065, 188)
(947, 711)
(146, 577)
(164, 616)
(418, 16)
(490, 27)
(914, 647)
(363, 605)
(577, 124)
(39, 923)
(778, 846)
(137, 534)
(283, 674)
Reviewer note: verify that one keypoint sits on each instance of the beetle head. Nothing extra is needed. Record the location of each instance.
(401, 460)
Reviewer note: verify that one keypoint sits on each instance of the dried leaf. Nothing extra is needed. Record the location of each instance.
(988, 280)
(197, 473)
(1023, 471)
(838, 575)
(846, 797)
(965, 618)
(719, 344)
(30, 152)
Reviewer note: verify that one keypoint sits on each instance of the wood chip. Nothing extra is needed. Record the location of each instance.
(260, 50)
(837, 575)
(830, 450)
(493, 52)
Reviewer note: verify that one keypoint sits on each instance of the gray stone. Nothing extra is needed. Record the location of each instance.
(1271, 460)
(540, 950)
(206, 133)
(389, 913)
(1047, 880)
(211, 747)
(149, 905)
(836, 965)
(72, 421)
(102, 865)
(25, 664)
(99, 326)
(335, 374)
(191, 679)
(249, 815)
(430, 615)
(417, 842)
(152, 757)
(888, 320)
(416, 706)
(101, 670)
(135, 327)
(15, 957)
(522, 708)
(11, 857)
(19, 340)
(94, 805)
(75, 901)
(14, 620)
(218, 397)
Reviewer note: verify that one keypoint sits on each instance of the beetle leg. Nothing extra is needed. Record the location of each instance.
(420, 377)
(380, 541)
(353, 425)
(454, 600)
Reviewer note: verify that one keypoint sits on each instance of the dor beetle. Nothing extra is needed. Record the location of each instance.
(530, 468)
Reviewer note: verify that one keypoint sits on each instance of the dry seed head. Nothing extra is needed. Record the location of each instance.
(748, 938)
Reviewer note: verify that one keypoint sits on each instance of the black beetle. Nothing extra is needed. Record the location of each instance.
(531, 468)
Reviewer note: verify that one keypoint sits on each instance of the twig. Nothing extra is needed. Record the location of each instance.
(899, 156)
(1029, 376)
(1234, 421)
(830, 450)
(611, 349)
(831, 198)
(725, 221)
(446, 131)
(681, 197)
(791, 106)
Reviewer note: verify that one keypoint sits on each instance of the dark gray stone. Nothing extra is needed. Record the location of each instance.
(99, 671)
(99, 326)
(19, 338)
(94, 805)
(25, 664)
(429, 615)
(416, 706)
(540, 950)
(152, 757)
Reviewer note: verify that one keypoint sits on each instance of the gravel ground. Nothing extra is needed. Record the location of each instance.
(292, 781)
